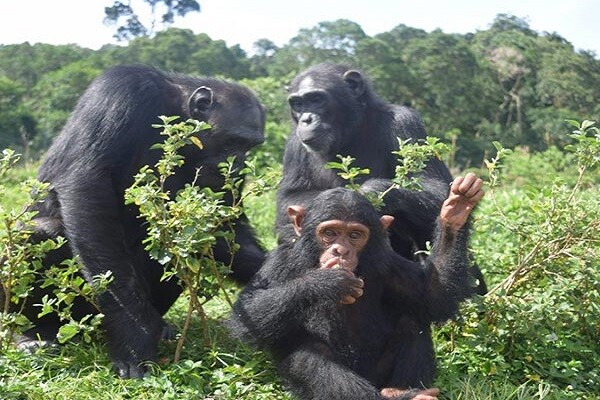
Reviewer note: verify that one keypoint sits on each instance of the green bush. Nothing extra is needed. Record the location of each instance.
(534, 336)
(539, 248)
(183, 227)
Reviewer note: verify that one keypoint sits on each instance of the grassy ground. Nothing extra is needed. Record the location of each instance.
(223, 369)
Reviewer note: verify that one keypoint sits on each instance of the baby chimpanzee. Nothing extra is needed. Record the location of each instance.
(344, 315)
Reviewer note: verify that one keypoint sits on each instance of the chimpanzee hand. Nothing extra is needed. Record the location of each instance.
(412, 394)
(340, 284)
(130, 356)
(465, 193)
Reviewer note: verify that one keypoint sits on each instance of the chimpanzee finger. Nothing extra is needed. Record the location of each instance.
(431, 392)
(477, 196)
(360, 283)
(354, 288)
(454, 187)
(424, 397)
(467, 183)
(356, 292)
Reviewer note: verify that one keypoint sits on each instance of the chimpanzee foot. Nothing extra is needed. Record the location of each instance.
(130, 369)
(31, 345)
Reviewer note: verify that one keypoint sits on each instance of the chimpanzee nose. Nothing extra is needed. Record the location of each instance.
(340, 250)
(306, 119)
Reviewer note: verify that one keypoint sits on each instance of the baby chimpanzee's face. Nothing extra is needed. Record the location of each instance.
(341, 243)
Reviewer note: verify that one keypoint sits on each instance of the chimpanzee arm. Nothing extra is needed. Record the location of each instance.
(90, 214)
(446, 268)
(276, 303)
(448, 273)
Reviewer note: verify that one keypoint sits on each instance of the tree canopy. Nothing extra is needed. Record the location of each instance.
(162, 13)
(507, 83)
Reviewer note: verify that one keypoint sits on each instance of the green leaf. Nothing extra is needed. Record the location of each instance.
(586, 124)
(572, 122)
(197, 142)
(67, 332)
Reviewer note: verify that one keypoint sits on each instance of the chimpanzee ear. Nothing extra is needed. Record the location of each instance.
(355, 81)
(200, 101)
(296, 214)
(386, 221)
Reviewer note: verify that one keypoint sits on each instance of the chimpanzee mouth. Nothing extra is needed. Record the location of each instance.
(318, 144)
(308, 140)
(336, 263)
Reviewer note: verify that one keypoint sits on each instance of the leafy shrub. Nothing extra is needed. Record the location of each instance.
(21, 268)
(184, 227)
(539, 247)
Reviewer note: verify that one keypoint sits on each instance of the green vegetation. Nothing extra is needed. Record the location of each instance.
(534, 336)
(507, 83)
(536, 233)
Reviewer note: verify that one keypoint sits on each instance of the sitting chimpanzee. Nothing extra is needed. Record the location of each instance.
(343, 314)
(335, 111)
(106, 140)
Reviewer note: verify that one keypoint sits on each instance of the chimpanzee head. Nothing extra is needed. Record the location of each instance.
(327, 103)
(343, 225)
(236, 117)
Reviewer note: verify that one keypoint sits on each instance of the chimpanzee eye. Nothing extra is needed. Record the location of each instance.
(355, 235)
(329, 233)
(295, 103)
(315, 98)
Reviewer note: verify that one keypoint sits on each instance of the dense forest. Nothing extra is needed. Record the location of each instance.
(514, 105)
(507, 83)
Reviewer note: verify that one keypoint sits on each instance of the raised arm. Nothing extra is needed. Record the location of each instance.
(449, 262)
(444, 279)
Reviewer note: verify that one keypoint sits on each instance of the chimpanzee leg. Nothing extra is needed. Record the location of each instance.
(313, 373)
(46, 327)
(414, 360)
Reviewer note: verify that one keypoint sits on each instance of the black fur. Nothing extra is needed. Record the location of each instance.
(326, 350)
(335, 111)
(104, 143)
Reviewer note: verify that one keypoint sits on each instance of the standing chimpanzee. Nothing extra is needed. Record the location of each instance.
(343, 314)
(335, 111)
(106, 140)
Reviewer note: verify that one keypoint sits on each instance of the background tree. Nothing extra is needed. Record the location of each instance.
(162, 14)
(181, 50)
(264, 49)
(17, 124)
(26, 63)
(391, 76)
(332, 41)
(507, 82)
(54, 96)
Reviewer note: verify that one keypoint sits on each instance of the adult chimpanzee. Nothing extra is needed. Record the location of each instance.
(335, 111)
(344, 315)
(107, 138)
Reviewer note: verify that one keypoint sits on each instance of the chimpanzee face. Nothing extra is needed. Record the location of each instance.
(340, 224)
(236, 118)
(324, 110)
(341, 243)
(313, 110)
